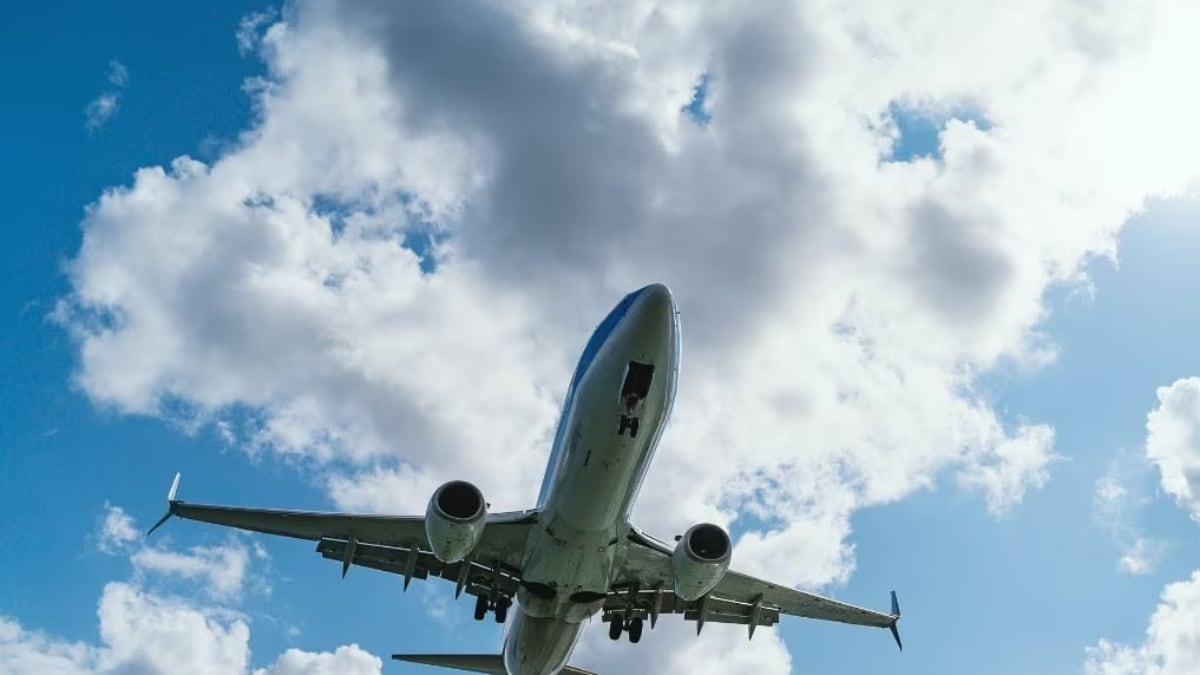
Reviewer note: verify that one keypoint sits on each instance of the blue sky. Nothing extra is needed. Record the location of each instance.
(1027, 591)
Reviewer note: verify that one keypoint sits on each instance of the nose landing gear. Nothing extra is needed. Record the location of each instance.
(633, 392)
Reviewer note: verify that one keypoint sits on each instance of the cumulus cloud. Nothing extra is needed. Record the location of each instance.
(348, 659)
(149, 634)
(145, 632)
(117, 530)
(838, 307)
(221, 568)
(1172, 645)
(674, 647)
(1173, 442)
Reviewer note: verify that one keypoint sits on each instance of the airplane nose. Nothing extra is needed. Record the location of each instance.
(656, 304)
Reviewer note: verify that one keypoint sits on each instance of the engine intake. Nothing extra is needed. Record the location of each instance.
(700, 560)
(454, 520)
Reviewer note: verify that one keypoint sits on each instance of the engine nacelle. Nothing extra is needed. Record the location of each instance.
(454, 520)
(700, 560)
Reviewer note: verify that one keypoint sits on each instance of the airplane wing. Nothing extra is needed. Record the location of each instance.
(394, 544)
(644, 590)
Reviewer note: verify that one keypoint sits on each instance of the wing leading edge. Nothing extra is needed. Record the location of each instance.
(737, 598)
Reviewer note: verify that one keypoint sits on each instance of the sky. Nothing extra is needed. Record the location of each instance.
(935, 268)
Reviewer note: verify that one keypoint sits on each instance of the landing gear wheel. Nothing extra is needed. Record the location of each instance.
(481, 607)
(614, 629)
(630, 423)
(502, 610)
(635, 630)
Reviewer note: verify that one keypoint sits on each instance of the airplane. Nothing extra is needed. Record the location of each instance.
(575, 554)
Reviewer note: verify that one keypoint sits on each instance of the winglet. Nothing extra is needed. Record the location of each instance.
(895, 620)
(170, 505)
(175, 488)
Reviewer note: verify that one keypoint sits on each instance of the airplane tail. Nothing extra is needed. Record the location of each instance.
(493, 664)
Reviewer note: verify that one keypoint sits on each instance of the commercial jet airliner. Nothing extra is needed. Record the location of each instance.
(575, 554)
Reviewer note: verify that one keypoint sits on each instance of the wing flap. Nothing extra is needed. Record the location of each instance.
(481, 577)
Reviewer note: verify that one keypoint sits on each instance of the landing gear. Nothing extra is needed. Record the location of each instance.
(630, 423)
(635, 630)
(499, 606)
(634, 627)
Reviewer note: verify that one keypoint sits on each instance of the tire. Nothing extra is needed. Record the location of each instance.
(614, 629)
(481, 607)
(501, 612)
(635, 631)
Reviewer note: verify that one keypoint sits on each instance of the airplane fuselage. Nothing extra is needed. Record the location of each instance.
(615, 409)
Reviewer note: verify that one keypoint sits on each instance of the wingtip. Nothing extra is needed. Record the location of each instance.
(174, 487)
(895, 620)
(170, 505)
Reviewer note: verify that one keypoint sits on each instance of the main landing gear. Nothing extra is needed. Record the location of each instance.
(499, 606)
(633, 626)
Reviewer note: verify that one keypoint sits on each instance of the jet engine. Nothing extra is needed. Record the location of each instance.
(454, 520)
(700, 560)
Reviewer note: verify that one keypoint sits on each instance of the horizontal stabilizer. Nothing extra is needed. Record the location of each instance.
(475, 663)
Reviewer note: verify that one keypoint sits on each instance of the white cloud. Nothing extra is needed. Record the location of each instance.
(152, 635)
(674, 647)
(1172, 645)
(221, 568)
(100, 110)
(1115, 509)
(118, 74)
(1173, 441)
(140, 633)
(249, 28)
(838, 309)
(23, 651)
(149, 633)
(347, 660)
(117, 530)
(1142, 556)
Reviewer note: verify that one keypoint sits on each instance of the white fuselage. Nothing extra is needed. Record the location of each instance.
(615, 409)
